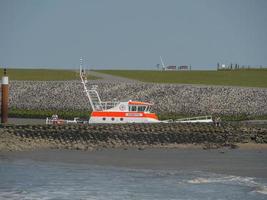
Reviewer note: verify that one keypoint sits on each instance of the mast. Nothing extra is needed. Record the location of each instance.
(91, 94)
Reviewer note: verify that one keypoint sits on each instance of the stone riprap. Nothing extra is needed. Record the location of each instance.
(168, 98)
(90, 137)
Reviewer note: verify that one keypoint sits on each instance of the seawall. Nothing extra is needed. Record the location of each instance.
(89, 137)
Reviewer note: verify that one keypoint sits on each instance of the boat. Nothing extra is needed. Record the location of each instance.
(125, 112)
(55, 120)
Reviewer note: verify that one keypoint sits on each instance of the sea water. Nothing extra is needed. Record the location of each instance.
(25, 179)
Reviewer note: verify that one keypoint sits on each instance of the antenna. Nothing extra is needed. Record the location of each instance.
(81, 61)
(81, 65)
(163, 65)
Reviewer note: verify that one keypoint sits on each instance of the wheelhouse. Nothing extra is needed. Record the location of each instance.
(135, 106)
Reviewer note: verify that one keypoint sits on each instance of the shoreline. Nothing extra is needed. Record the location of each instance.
(249, 162)
(232, 149)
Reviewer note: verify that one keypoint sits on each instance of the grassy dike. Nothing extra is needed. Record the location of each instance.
(68, 114)
(242, 77)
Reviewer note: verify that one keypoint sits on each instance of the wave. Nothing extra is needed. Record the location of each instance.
(232, 180)
(226, 179)
(261, 190)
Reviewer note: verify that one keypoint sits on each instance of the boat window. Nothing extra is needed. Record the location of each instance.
(112, 119)
(121, 119)
(141, 108)
(133, 108)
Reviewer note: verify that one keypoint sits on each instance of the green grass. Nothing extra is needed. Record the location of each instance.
(42, 114)
(43, 74)
(246, 78)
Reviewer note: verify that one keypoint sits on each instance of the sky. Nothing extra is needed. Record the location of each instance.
(132, 34)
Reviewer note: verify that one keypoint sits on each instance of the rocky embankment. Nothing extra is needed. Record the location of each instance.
(168, 98)
(90, 137)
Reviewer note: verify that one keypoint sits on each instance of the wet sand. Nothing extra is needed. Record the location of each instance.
(245, 161)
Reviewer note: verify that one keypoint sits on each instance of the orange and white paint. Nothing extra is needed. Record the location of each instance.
(116, 112)
(125, 112)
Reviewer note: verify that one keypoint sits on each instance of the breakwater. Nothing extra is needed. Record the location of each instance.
(168, 98)
(89, 137)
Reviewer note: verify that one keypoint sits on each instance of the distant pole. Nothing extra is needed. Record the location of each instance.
(4, 105)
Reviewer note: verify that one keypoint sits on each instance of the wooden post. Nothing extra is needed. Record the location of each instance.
(4, 105)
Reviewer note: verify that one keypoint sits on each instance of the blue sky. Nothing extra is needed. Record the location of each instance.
(132, 34)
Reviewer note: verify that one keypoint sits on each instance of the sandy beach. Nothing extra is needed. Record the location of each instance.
(240, 162)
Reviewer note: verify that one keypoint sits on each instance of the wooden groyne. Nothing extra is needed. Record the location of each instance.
(87, 137)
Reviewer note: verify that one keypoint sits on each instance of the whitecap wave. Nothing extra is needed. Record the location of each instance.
(261, 190)
(225, 179)
(232, 180)
(200, 180)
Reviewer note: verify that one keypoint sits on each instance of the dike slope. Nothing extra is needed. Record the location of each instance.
(168, 98)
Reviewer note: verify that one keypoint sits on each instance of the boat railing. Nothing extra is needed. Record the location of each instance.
(109, 104)
(207, 118)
